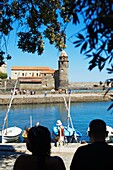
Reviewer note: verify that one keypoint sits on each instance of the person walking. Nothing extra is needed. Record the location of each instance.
(39, 144)
(97, 155)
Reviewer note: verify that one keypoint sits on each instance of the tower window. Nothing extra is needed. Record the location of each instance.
(62, 70)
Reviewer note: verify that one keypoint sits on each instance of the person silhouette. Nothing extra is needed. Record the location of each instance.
(39, 144)
(97, 155)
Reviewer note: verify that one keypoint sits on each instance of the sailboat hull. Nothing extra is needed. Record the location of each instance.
(11, 134)
(68, 133)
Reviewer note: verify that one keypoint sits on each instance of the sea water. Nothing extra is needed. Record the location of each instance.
(47, 115)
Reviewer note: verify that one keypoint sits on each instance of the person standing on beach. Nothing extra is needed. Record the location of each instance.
(95, 156)
(39, 144)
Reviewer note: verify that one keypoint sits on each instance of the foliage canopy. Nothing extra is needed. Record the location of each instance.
(3, 75)
(37, 20)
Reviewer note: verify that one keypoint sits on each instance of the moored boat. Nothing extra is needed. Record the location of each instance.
(109, 138)
(70, 133)
(10, 134)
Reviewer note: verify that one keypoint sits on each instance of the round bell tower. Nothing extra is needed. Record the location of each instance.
(63, 70)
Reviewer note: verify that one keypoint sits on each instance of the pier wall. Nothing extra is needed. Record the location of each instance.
(52, 98)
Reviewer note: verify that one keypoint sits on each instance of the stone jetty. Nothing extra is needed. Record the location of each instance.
(53, 98)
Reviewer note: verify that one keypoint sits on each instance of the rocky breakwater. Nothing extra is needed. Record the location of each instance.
(53, 98)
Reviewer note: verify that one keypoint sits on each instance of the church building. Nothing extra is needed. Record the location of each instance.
(38, 77)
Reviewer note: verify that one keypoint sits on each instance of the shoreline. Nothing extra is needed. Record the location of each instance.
(53, 98)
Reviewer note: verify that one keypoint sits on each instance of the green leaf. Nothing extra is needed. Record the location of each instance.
(80, 36)
(78, 45)
(76, 42)
(83, 48)
(110, 107)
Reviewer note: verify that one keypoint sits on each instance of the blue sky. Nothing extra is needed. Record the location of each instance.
(78, 65)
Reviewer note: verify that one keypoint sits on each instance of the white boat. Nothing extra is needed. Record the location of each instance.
(71, 134)
(10, 134)
(109, 138)
(110, 134)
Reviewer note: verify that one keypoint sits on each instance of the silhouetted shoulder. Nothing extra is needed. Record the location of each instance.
(28, 162)
(25, 162)
(98, 154)
(55, 162)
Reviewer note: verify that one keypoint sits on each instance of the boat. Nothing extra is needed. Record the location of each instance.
(70, 133)
(25, 133)
(109, 138)
(26, 130)
(10, 134)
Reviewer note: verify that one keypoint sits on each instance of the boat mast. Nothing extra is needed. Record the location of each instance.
(68, 111)
(69, 117)
(31, 121)
(6, 117)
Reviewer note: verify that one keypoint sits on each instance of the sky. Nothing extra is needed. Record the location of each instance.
(78, 65)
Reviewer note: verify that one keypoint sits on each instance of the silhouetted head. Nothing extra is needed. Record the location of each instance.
(39, 140)
(97, 130)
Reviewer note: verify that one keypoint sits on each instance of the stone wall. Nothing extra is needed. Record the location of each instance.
(84, 85)
(52, 98)
(9, 84)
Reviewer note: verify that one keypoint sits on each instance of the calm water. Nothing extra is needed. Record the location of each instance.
(47, 114)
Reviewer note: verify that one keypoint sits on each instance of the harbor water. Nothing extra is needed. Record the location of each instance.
(47, 114)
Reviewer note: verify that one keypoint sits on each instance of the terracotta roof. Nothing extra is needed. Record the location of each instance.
(31, 68)
(48, 72)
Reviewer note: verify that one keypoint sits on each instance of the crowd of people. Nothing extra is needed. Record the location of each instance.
(33, 92)
(96, 155)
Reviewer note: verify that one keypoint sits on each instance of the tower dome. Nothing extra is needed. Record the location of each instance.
(63, 53)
